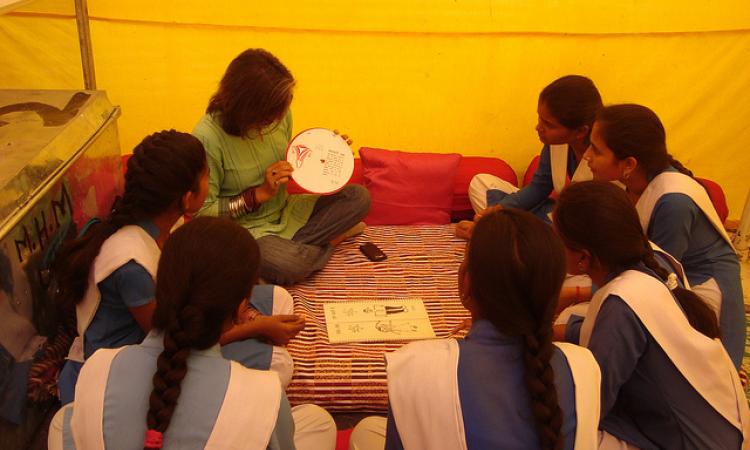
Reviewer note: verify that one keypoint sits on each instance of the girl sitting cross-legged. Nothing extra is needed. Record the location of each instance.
(175, 390)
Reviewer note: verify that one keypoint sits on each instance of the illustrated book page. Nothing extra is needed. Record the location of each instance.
(377, 320)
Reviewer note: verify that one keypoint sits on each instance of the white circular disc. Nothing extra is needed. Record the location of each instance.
(323, 162)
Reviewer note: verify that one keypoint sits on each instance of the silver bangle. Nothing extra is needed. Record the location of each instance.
(237, 206)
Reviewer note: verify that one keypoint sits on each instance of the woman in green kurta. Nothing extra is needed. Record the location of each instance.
(245, 131)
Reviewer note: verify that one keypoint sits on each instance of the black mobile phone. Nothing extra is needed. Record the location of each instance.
(372, 252)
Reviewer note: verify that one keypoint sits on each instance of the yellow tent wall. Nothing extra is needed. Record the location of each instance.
(418, 75)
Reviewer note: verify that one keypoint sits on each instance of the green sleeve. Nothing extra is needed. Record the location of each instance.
(212, 143)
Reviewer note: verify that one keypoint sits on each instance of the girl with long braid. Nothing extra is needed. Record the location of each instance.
(628, 144)
(108, 273)
(667, 381)
(175, 390)
(506, 385)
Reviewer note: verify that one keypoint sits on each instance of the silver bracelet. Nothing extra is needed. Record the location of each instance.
(237, 207)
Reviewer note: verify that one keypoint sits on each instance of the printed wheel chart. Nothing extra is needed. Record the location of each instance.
(323, 162)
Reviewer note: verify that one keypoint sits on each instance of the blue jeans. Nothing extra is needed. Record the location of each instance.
(285, 261)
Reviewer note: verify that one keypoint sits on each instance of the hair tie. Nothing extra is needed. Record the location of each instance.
(154, 439)
(672, 281)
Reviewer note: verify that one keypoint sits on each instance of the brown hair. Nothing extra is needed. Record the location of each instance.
(617, 240)
(164, 167)
(634, 130)
(194, 299)
(573, 100)
(516, 266)
(255, 92)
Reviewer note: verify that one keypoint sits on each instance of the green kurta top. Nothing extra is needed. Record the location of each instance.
(236, 164)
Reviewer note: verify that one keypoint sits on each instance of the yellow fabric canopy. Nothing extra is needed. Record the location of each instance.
(423, 75)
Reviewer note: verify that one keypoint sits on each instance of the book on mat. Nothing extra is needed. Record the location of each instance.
(377, 320)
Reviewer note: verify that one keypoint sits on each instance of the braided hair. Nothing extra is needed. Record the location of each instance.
(194, 300)
(164, 167)
(520, 300)
(635, 130)
(617, 240)
(573, 100)
(255, 91)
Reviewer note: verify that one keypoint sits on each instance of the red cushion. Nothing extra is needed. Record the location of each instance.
(409, 188)
(467, 168)
(530, 170)
(716, 194)
(342, 439)
(357, 178)
(124, 159)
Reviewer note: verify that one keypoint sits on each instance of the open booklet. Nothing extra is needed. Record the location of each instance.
(377, 320)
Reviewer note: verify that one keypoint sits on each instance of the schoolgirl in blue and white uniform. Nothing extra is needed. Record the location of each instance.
(175, 390)
(628, 144)
(566, 110)
(667, 381)
(108, 273)
(505, 385)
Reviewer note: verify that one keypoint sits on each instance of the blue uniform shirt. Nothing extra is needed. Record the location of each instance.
(645, 400)
(534, 197)
(494, 399)
(129, 386)
(679, 226)
(130, 286)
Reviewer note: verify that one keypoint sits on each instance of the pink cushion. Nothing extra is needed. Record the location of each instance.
(409, 188)
(716, 194)
(467, 168)
(357, 178)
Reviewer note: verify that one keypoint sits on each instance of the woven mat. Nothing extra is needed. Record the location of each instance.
(422, 262)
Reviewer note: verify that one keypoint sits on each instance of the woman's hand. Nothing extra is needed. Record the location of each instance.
(344, 137)
(280, 329)
(277, 174)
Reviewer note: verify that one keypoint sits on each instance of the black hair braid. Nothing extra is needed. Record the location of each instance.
(171, 366)
(520, 300)
(195, 301)
(540, 382)
(164, 167)
(699, 314)
(679, 166)
(76, 257)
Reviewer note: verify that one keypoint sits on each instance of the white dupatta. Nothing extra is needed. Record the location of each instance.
(130, 242)
(558, 154)
(702, 361)
(675, 182)
(423, 393)
(246, 419)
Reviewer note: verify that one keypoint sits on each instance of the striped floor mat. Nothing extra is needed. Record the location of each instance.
(422, 262)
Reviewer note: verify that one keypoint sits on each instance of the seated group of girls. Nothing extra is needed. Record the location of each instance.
(178, 337)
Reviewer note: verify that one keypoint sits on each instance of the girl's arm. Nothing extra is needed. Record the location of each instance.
(537, 190)
(278, 330)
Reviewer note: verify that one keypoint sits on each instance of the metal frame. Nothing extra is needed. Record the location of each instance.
(84, 39)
